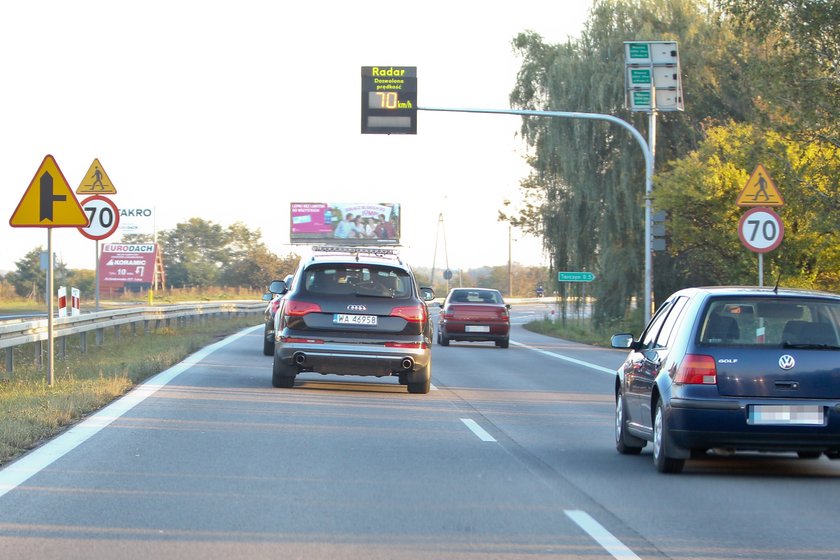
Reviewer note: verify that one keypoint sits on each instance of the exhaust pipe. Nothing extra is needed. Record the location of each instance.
(407, 364)
(299, 358)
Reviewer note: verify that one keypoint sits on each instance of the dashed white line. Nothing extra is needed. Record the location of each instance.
(477, 430)
(597, 368)
(603, 537)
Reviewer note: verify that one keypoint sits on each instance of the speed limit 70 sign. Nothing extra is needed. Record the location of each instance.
(761, 230)
(103, 217)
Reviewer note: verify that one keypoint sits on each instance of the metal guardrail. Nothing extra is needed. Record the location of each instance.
(16, 332)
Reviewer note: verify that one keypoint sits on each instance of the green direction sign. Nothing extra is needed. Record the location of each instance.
(641, 98)
(640, 77)
(638, 50)
(575, 277)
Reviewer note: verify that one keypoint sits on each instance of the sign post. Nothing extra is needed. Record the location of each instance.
(760, 229)
(103, 213)
(49, 202)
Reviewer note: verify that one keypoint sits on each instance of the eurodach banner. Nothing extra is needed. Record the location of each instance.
(125, 263)
(345, 223)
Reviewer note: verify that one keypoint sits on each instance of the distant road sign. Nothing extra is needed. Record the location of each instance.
(760, 190)
(96, 181)
(104, 217)
(575, 277)
(761, 230)
(48, 201)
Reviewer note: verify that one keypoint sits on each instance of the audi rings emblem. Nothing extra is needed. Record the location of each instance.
(787, 362)
(356, 308)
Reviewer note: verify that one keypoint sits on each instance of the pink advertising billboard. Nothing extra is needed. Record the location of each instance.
(345, 223)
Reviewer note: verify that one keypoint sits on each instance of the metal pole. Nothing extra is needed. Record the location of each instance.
(434, 255)
(649, 200)
(760, 270)
(96, 288)
(600, 117)
(50, 341)
(510, 262)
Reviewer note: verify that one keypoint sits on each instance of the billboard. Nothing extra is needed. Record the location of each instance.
(345, 223)
(126, 263)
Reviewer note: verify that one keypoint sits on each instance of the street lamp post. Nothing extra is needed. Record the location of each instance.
(643, 144)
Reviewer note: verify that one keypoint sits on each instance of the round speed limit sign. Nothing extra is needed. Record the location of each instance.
(103, 217)
(761, 230)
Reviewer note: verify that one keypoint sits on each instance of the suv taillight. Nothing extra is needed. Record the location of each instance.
(296, 308)
(411, 313)
(696, 369)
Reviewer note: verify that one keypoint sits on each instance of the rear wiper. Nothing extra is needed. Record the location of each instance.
(810, 346)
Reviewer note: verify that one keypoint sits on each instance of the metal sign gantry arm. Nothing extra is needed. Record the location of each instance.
(646, 150)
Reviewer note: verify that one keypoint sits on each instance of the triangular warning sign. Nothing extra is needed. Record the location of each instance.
(49, 201)
(760, 190)
(96, 181)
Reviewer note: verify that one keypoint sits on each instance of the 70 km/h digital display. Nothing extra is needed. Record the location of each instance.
(389, 100)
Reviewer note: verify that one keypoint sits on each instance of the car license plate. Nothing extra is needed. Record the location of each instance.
(347, 319)
(476, 328)
(786, 415)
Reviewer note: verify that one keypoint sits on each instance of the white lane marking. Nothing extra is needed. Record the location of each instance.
(477, 430)
(567, 358)
(603, 537)
(29, 465)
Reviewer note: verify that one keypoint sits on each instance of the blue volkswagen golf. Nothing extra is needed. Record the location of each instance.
(732, 368)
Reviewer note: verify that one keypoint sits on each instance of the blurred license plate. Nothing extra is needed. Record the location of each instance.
(347, 319)
(785, 415)
(477, 328)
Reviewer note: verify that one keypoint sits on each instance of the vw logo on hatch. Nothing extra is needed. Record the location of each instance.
(356, 308)
(787, 362)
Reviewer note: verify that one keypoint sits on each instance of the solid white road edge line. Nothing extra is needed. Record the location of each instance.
(16, 473)
(477, 430)
(567, 358)
(603, 537)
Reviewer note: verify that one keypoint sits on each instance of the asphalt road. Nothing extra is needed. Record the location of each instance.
(510, 456)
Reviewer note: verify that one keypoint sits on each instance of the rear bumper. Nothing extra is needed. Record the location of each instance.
(701, 423)
(354, 359)
(458, 331)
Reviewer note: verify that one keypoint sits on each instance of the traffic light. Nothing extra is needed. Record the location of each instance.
(657, 231)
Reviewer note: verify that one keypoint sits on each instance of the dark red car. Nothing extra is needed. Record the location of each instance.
(475, 315)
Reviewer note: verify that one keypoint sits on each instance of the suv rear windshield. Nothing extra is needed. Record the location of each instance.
(774, 321)
(359, 279)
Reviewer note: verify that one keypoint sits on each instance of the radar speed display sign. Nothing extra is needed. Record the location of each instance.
(103, 215)
(761, 230)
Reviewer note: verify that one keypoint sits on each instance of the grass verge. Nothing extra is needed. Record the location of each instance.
(31, 411)
(582, 330)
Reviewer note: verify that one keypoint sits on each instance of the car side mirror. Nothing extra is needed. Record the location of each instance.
(267, 296)
(278, 287)
(622, 340)
(428, 294)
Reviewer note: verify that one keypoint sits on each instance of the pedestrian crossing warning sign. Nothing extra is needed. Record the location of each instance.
(760, 190)
(49, 201)
(96, 181)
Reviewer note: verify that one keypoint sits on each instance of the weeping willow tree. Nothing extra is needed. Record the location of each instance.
(585, 194)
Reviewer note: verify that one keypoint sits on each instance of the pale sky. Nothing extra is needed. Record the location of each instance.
(230, 111)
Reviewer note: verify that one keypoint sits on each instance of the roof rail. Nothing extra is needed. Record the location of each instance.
(356, 251)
